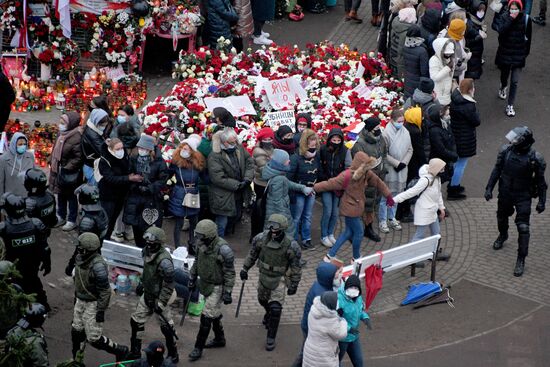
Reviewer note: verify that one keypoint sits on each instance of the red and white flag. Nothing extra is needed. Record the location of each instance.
(63, 13)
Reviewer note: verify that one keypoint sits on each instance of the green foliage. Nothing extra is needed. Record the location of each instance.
(17, 353)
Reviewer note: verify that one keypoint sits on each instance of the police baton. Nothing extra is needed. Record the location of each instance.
(185, 305)
(240, 300)
(163, 318)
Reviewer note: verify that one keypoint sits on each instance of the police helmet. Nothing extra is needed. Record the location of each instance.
(277, 222)
(87, 194)
(14, 205)
(5, 267)
(206, 229)
(155, 235)
(521, 137)
(88, 241)
(36, 315)
(35, 181)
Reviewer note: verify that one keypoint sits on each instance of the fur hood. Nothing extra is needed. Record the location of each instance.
(216, 142)
(196, 161)
(361, 164)
(306, 134)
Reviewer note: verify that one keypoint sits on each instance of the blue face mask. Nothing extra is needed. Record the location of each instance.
(121, 119)
(398, 125)
(21, 149)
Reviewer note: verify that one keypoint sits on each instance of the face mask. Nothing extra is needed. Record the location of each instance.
(230, 147)
(101, 129)
(118, 154)
(312, 150)
(121, 119)
(62, 128)
(288, 141)
(21, 149)
(480, 14)
(377, 132)
(352, 292)
(398, 125)
(185, 154)
(447, 56)
(278, 235)
(514, 11)
(301, 128)
(143, 152)
(266, 146)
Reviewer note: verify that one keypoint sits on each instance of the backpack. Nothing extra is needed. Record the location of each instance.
(97, 175)
(413, 183)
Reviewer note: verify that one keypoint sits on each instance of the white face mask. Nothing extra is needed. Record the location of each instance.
(143, 152)
(480, 14)
(62, 128)
(514, 11)
(352, 292)
(118, 154)
(185, 154)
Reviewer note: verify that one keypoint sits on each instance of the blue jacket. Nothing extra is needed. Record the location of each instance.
(220, 15)
(353, 312)
(191, 178)
(325, 278)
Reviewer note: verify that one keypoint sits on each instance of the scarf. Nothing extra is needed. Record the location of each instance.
(57, 152)
(413, 41)
(142, 165)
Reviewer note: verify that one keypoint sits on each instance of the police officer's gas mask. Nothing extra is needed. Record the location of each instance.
(203, 241)
(152, 245)
(277, 232)
(83, 254)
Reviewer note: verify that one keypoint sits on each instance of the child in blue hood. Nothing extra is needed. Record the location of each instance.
(351, 308)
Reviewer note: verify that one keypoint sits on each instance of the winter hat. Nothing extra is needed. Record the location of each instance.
(353, 281)
(414, 116)
(97, 115)
(519, 3)
(457, 29)
(265, 133)
(146, 142)
(435, 166)
(193, 141)
(155, 347)
(426, 85)
(407, 15)
(330, 299)
(371, 123)
(279, 156)
(225, 117)
(283, 130)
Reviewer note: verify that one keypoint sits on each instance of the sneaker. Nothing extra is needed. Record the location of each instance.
(384, 227)
(60, 222)
(394, 224)
(117, 237)
(69, 226)
(265, 34)
(502, 92)
(540, 20)
(307, 245)
(261, 40)
(510, 111)
(186, 225)
(129, 235)
(332, 239)
(325, 241)
(328, 258)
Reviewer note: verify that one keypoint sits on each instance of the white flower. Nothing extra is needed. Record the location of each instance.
(105, 44)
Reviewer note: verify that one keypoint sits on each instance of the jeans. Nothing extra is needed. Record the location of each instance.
(505, 72)
(354, 352)
(193, 219)
(302, 211)
(421, 230)
(354, 231)
(386, 212)
(258, 25)
(89, 174)
(65, 199)
(223, 221)
(331, 204)
(350, 5)
(460, 166)
(112, 209)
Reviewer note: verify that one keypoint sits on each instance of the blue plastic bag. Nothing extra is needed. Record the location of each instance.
(420, 291)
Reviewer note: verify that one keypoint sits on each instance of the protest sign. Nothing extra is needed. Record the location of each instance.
(280, 118)
(283, 93)
(237, 105)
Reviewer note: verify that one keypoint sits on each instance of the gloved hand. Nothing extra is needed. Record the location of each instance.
(400, 166)
(354, 331)
(159, 308)
(367, 323)
(244, 275)
(192, 284)
(307, 191)
(389, 201)
(46, 266)
(292, 290)
(100, 316)
(540, 207)
(340, 312)
(227, 299)
(242, 185)
(488, 195)
(247, 182)
(139, 289)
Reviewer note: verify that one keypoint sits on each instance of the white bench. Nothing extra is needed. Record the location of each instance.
(399, 257)
(129, 257)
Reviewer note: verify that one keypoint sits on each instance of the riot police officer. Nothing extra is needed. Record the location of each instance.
(26, 241)
(25, 330)
(93, 218)
(92, 293)
(158, 290)
(215, 266)
(278, 257)
(40, 202)
(519, 171)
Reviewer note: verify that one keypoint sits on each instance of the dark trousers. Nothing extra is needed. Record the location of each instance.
(238, 43)
(113, 209)
(64, 200)
(256, 223)
(505, 72)
(522, 207)
(353, 349)
(4, 116)
(354, 5)
(193, 219)
(258, 25)
(31, 283)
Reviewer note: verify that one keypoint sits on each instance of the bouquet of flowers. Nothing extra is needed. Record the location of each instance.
(58, 51)
(166, 15)
(11, 18)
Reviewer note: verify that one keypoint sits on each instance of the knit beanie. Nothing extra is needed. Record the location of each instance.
(97, 115)
(278, 160)
(193, 141)
(435, 166)
(371, 123)
(283, 130)
(414, 116)
(457, 29)
(146, 142)
(519, 3)
(426, 85)
(407, 15)
(353, 281)
(330, 299)
(265, 133)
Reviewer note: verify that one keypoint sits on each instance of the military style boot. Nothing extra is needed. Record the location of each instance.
(204, 330)
(454, 193)
(370, 234)
(265, 320)
(219, 335)
(119, 351)
(520, 266)
(502, 224)
(135, 342)
(273, 326)
(78, 338)
(171, 347)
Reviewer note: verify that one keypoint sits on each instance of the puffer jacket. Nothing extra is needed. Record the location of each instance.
(324, 283)
(359, 177)
(220, 16)
(261, 157)
(333, 161)
(475, 43)
(415, 56)
(514, 38)
(440, 72)
(430, 199)
(13, 167)
(325, 329)
(353, 312)
(442, 141)
(92, 145)
(115, 181)
(430, 24)
(245, 24)
(304, 170)
(225, 178)
(465, 119)
(277, 194)
(397, 42)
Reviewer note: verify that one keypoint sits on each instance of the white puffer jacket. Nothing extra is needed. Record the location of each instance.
(425, 209)
(440, 73)
(325, 328)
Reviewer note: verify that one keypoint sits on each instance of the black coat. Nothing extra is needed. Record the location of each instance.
(513, 48)
(418, 158)
(464, 120)
(147, 194)
(333, 162)
(304, 171)
(7, 96)
(430, 25)
(219, 19)
(92, 145)
(416, 65)
(474, 42)
(114, 183)
(442, 141)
